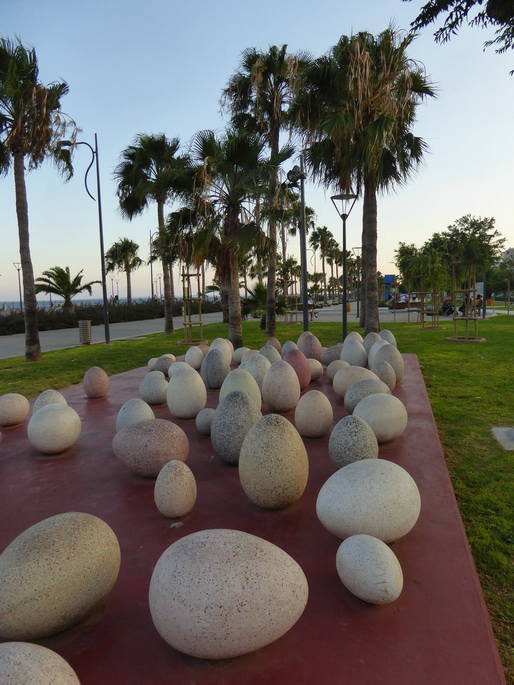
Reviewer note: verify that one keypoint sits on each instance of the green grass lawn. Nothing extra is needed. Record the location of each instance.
(471, 389)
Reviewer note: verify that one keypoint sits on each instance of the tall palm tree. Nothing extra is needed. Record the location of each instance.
(258, 96)
(321, 239)
(31, 126)
(122, 256)
(151, 170)
(356, 106)
(231, 171)
(58, 281)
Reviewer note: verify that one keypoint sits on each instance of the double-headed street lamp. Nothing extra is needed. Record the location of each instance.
(347, 201)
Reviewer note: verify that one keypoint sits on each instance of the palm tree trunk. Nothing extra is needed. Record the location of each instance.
(32, 345)
(235, 329)
(168, 297)
(272, 280)
(369, 254)
(129, 285)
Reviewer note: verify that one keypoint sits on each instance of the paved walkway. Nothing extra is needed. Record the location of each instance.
(14, 345)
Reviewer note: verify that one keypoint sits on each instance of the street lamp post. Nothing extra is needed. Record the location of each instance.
(117, 281)
(17, 266)
(347, 201)
(152, 235)
(357, 252)
(296, 174)
(159, 276)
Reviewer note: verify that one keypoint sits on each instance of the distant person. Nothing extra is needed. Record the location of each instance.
(479, 303)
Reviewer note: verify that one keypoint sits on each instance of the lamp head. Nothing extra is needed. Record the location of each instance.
(347, 200)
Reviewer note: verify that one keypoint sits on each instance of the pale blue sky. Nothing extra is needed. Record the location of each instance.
(160, 66)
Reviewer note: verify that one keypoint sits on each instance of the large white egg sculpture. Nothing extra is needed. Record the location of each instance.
(24, 663)
(187, 394)
(54, 428)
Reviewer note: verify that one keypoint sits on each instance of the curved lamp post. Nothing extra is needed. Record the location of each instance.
(297, 174)
(347, 201)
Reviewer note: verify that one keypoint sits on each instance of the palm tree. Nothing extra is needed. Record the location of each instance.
(122, 256)
(58, 281)
(31, 125)
(321, 239)
(258, 96)
(151, 170)
(356, 106)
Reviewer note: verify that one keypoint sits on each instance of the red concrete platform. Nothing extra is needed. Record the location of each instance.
(436, 633)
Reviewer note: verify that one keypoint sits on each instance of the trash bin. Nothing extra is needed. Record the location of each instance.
(85, 332)
(348, 307)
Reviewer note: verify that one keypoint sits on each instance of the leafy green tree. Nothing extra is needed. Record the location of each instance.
(356, 108)
(31, 126)
(58, 281)
(122, 256)
(150, 170)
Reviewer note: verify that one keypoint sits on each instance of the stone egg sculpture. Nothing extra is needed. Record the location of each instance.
(29, 664)
(220, 593)
(346, 376)
(371, 497)
(275, 343)
(386, 335)
(238, 354)
(273, 463)
(257, 365)
(330, 354)
(271, 353)
(55, 573)
(151, 363)
(386, 415)
(241, 379)
(351, 439)
(203, 420)
(164, 362)
(225, 347)
(354, 353)
(246, 355)
(177, 366)
(95, 383)
(54, 428)
(334, 367)
(369, 569)
(154, 388)
(361, 389)
(389, 353)
(280, 387)
(354, 335)
(194, 357)
(370, 340)
(310, 345)
(316, 369)
(288, 346)
(14, 409)
(204, 348)
(186, 395)
(377, 345)
(132, 411)
(313, 415)
(234, 417)
(175, 489)
(386, 373)
(146, 446)
(48, 397)
(301, 366)
(215, 367)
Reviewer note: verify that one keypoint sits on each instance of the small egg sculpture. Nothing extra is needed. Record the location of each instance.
(14, 409)
(175, 489)
(95, 383)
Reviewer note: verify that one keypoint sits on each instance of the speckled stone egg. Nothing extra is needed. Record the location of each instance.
(175, 489)
(48, 397)
(24, 663)
(386, 373)
(377, 345)
(334, 367)
(273, 463)
(246, 355)
(371, 496)
(146, 446)
(280, 387)
(177, 366)
(186, 394)
(164, 362)
(237, 355)
(354, 353)
(386, 415)
(369, 569)
(194, 357)
(218, 594)
(346, 376)
(361, 389)
(257, 365)
(287, 347)
(313, 415)
(95, 383)
(351, 439)
(271, 353)
(389, 353)
(225, 347)
(54, 428)
(310, 345)
(330, 354)
(276, 343)
(151, 363)
(215, 368)
(301, 366)
(370, 340)
(316, 369)
(385, 334)
(204, 419)
(14, 409)
(132, 411)
(205, 348)
(154, 388)
(241, 379)
(234, 417)
(54, 573)
(354, 335)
